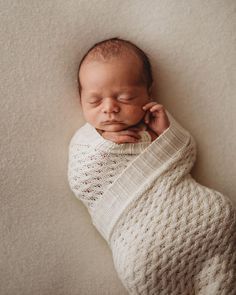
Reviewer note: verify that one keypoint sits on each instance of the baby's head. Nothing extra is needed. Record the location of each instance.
(115, 80)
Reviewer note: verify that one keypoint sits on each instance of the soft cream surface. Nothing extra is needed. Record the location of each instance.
(48, 244)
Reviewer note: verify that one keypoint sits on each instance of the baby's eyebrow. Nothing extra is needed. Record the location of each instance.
(93, 93)
(121, 91)
(88, 95)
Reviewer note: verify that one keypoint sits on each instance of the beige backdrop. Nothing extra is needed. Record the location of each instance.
(48, 243)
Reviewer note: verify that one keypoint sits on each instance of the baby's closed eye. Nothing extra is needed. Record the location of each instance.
(126, 97)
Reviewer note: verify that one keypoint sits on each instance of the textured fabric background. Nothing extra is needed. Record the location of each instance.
(48, 244)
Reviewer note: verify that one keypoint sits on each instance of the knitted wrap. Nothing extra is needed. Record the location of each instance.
(168, 234)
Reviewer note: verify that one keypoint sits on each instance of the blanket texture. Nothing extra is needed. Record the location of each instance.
(168, 234)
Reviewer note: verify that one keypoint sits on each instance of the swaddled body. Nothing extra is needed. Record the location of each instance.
(167, 233)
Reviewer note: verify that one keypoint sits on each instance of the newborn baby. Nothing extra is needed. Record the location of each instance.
(115, 81)
(129, 165)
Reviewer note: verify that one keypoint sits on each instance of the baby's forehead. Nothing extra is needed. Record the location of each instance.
(126, 73)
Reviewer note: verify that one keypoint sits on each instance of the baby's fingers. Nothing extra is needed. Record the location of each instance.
(149, 105)
(126, 139)
(146, 117)
(128, 132)
(157, 108)
(123, 136)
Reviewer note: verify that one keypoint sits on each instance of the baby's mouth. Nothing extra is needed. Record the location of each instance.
(111, 122)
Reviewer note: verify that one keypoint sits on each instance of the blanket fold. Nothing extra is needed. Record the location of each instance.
(168, 234)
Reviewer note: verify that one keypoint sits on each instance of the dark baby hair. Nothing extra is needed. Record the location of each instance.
(114, 47)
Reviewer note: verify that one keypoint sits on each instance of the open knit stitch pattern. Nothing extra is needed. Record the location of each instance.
(168, 234)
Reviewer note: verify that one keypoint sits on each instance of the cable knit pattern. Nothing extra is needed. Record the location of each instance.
(91, 175)
(168, 234)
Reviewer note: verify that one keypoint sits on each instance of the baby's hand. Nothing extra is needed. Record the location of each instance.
(156, 117)
(124, 136)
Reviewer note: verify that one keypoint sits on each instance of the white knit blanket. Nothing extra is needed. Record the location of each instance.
(168, 234)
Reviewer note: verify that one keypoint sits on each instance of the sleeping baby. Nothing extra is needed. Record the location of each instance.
(130, 165)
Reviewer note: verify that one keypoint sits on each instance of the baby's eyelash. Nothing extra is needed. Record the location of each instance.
(127, 98)
(96, 100)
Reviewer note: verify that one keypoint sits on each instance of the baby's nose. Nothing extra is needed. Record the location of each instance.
(110, 105)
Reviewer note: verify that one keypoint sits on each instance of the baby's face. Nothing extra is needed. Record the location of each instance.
(112, 93)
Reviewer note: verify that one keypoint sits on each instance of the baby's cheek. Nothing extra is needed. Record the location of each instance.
(135, 113)
(90, 115)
